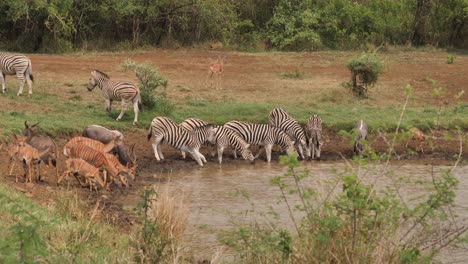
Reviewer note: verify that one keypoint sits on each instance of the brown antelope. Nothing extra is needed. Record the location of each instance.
(418, 137)
(96, 158)
(86, 170)
(130, 171)
(29, 156)
(104, 135)
(41, 143)
(90, 143)
(215, 73)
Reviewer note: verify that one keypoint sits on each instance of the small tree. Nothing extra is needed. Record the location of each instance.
(365, 71)
(150, 79)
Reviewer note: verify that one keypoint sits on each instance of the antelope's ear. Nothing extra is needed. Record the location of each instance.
(15, 138)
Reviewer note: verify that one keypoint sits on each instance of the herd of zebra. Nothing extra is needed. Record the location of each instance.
(282, 130)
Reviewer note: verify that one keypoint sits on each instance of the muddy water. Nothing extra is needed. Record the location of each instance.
(220, 197)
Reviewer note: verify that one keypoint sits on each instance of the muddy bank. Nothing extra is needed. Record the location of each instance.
(435, 150)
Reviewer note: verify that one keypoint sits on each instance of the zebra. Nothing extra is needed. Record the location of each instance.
(190, 124)
(20, 65)
(264, 135)
(314, 134)
(361, 130)
(167, 131)
(281, 119)
(124, 91)
(225, 137)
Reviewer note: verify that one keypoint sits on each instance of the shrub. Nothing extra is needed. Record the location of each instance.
(450, 59)
(365, 71)
(150, 80)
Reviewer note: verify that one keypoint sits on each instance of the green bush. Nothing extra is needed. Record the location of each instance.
(450, 59)
(365, 72)
(152, 85)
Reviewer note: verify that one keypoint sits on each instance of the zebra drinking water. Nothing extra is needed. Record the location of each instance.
(263, 135)
(124, 91)
(281, 119)
(314, 134)
(167, 131)
(225, 137)
(11, 64)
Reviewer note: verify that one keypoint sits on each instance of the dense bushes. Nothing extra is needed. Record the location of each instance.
(59, 26)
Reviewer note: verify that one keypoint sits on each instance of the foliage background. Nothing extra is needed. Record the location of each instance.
(66, 25)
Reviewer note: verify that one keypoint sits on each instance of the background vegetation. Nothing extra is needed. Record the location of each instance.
(66, 25)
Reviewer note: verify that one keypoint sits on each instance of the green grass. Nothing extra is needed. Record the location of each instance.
(62, 233)
(65, 117)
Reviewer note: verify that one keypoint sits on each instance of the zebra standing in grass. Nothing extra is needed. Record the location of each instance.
(281, 119)
(167, 131)
(124, 91)
(314, 134)
(20, 65)
(263, 135)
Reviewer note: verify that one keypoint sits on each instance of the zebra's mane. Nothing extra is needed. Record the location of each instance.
(103, 74)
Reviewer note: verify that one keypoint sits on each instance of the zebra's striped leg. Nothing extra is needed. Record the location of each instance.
(108, 105)
(234, 154)
(259, 152)
(202, 157)
(2, 77)
(161, 156)
(268, 152)
(196, 155)
(220, 154)
(29, 82)
(136, 110)
(156, 144)
(123, 109)
(300, 150)
(21, 83)
(318, 149)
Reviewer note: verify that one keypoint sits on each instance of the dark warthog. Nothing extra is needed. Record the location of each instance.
(42, 143)
(361, 130)
(105, 135)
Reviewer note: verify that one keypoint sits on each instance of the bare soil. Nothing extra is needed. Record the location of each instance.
(249, 77)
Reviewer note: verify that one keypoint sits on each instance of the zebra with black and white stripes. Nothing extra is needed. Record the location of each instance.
(190, 124)
(11, 64)
(123, 91)
(225, 137)
(314, 134)
(167, 131)
(263, 135)
(281, 119)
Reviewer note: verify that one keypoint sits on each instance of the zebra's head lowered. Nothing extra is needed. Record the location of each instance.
(96, 77)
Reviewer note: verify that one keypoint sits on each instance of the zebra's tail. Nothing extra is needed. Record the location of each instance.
(29, 71)
(150, 132)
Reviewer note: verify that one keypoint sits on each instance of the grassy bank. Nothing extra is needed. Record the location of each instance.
(63, 232)
(60, 117)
